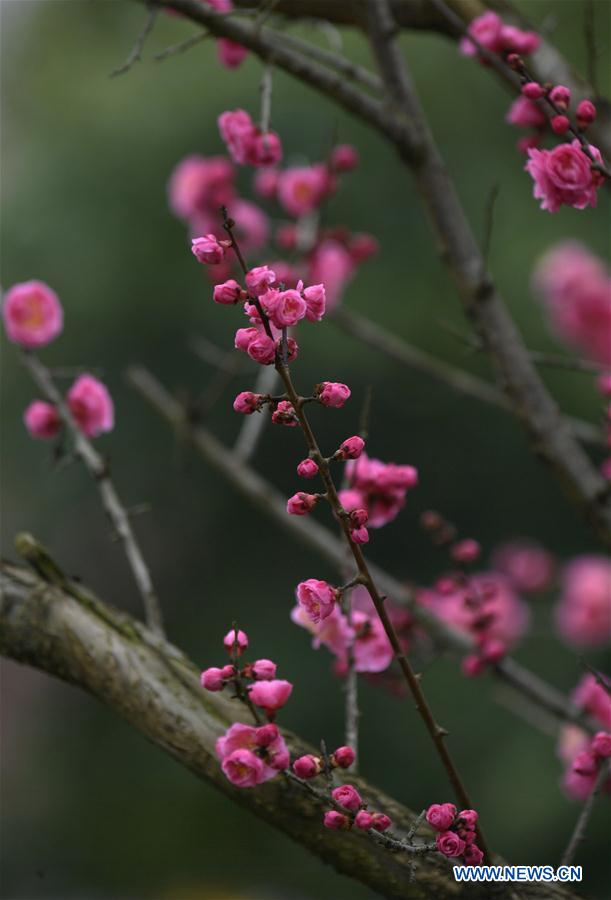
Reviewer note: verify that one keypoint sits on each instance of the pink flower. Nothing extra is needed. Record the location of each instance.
(585, 763)
(379, 488)
(468, 817)
(266, 149)
(576, 290)
(91, 406)
(348, 797)
(307, 468)
(533, 91)
(441, 815)
(317, 598)
(344, 158)
(381, 822)
(359, 517)
(332, 265)
(336, 821)
(364, 820)
(289, 308)
(251, 225)
(472, 855)
(449, 843)
(333, 393)
(351, 448)
(32, 314)
(585, 113)
(527, 564)
(227, 292)
(231, 55)
(560, 95)
(260, 279)
(235, 642)
(526, 114)
(284, 414)
(237, 131)
(42, 420)
(266, 182)
(307, 766)
(301, 189)
(243, 768)
(592, 697)
(315, 300)
(247, 403)
(264, 670)
(343, 757)
(518, 41)
(300, 504)
(371, 649)
(465, 551)
(270, 695)
(359, 535)
(601, 744)
(563, 176)
(199, 185)
(583, 615)
(486, 29)
(266, 735)
(212, 679)
(262, 349)
(207, 250)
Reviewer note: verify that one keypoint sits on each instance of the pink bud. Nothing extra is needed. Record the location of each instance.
(284, 414)
(42, 420)
(246, 402)
(266, 735)
(560, 124)
(266, 149)
(359, 517)
(362, 247)
(344, 158)
(230, 54)
(472, 665)
(266, 183)
(300, 504)
(91, 405)
(235, 643)
(364, 820)
(208, 250)
(351, 448)
(586, 113)
(307, 468)
(270, 695)
(212, 679)
(585, 763)
(336, 821)
(441, 815)
(601, 744)
(228, 292)
(527, 143)
(264, 670)
(333, 393)
(307, 766)
(359, 535)
(262, 349)
(227, 672)
(469, 817)
(316, 301)
(466, 551)
(514, 61)
(493, 650)
(561, 96)
(32, 314)
(381, 822)
(244, 337)
(472, 855)
(532, 90)
(450, 844)
(347, 796)
(343, 757)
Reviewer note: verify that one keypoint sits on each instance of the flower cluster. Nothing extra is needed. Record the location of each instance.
(583, 614)
(33, 317)
(378, 488)
(490, 32)
(456, 833)
(250, 755)
(246, 143)
(355, 812)
(266, 691)
(580, 752)
(361, 635)
(575, 288)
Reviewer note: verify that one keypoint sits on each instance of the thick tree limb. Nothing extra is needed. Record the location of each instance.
(70, 634)
(310, 533)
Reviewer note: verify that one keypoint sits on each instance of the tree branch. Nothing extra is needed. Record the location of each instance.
(69, 633)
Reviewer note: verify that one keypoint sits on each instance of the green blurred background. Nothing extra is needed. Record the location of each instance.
(90, 810)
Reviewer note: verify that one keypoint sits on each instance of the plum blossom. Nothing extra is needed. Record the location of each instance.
(251, 756)
(525, 563)
(379, 488)
(32, 314)
(91, 405)
(270, 695)
(490, 32)
(246, 144)
(301, 189)
(583, 615)
(316, 598)
(593, 699)
(564, 176)
(42, 420)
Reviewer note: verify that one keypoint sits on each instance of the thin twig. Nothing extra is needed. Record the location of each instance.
(181, 47)
(589, 33)
(98, 469)
(584, 816)
(267, 83)
(136, 52)
(254, 425)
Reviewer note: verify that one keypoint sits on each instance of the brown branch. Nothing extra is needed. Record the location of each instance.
(99, 472)
(309, 532)
(457, 379)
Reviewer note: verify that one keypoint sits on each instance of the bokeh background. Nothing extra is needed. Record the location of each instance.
(90, 810)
